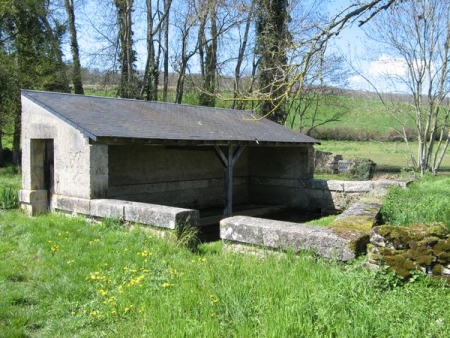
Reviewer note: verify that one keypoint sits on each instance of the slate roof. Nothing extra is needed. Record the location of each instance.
(101, 117)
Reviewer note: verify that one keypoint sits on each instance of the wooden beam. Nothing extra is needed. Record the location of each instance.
(229, 162)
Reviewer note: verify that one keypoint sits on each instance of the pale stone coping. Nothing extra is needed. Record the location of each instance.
(144, 213)
(358, 186)
(323, 241)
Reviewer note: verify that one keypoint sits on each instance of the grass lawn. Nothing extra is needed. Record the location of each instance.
(62, 277)
(389, 156)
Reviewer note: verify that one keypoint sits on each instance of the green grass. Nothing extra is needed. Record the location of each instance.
(425, 201)
(62, 277)
(389, 156)
(323, 221)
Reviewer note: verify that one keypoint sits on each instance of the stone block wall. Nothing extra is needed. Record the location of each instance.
(326, 162)
(345, 239)
(72, 152)
(187, 177)
(404, 249)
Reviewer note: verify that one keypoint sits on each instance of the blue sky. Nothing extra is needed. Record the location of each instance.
(351, 42)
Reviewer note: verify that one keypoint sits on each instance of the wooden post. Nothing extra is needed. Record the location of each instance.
(229, 162)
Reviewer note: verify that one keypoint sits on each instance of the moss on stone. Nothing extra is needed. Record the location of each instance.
(436, 270)
(356, 230)
(442, 251)
(353, 224)
(429, 241)
(418, 246)
(395, 236)
(400, 264)
(423, 260)
(418, 231)
(439, 230)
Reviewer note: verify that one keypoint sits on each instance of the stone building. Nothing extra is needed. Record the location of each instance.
(78, 150)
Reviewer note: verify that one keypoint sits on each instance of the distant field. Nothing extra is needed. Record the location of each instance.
(389, 156)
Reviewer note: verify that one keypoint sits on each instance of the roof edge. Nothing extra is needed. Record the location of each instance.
(25, 93)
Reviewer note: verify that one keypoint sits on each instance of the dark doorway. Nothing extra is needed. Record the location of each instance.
(49, 169)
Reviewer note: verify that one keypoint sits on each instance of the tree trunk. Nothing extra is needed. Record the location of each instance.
(148, 90)
(241, 54)
(16, 137)
(76, 76)
(167, 5)
(127, 80)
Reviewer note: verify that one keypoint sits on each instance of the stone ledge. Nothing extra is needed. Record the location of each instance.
(323, 241)
(345, 239)
(144, 213)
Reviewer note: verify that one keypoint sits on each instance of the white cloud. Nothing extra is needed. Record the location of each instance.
(387, 65)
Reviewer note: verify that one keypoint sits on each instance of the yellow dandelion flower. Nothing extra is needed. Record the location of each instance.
(165, 285)
(103, 292)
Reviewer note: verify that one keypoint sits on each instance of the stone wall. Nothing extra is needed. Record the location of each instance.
(191, 177)
(404, 249)
(277, 176)
(80, 168)
(334, 196)
(345, 239)
(325, 162)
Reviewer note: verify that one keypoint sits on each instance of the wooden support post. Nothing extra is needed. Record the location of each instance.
(229, 162)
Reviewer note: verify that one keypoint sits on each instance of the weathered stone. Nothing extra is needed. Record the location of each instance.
(419, 247)
(284, 235)
(437, 270)
(429, 241)
(33, 202)
(358, 186)
(108, 208)
(73, 205)
(439, 230)
(400, 263)
(442, 250)
(446, 270)
(160, 215)
(390, 236)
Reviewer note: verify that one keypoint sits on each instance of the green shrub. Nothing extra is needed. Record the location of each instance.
(424, 201)
(362, 170)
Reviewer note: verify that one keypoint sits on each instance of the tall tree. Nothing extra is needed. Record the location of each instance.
(185, 23)
(272, 42)
(208, 52)
(417, 39)
(31, 41)
(128, 86)
(149, 88)
(76, 75)
(248, 11)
